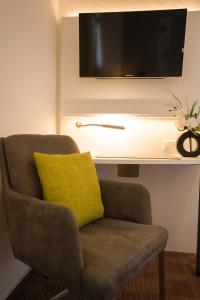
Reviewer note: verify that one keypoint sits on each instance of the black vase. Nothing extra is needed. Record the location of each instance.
(193, 151)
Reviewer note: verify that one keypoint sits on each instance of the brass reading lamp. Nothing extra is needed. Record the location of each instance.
(79, 124)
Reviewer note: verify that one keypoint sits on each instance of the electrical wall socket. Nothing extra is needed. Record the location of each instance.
(169, 147)
(128, 170)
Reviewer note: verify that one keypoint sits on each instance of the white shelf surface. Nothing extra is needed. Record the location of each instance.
(147, 161)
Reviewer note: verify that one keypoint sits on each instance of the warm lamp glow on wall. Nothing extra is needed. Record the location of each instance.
(125, 135)
(73, 8)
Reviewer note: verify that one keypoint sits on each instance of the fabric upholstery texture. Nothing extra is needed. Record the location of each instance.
(95, 261)
(126, 201)
(20, 161)
(45, 236)
(114, 250)
(71, 180)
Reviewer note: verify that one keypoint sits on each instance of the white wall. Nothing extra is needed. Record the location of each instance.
(28, 33)
(28, 66)
(73, 7)
(174, 189)
(136, 96)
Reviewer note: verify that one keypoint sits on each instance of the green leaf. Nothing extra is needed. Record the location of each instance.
(192, 109)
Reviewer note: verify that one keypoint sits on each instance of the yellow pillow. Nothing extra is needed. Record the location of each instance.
(71, 180)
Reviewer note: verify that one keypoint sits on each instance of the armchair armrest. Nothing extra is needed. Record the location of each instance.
(45, 236)
(126, 201)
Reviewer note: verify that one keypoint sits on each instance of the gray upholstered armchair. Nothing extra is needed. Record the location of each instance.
(95, 261)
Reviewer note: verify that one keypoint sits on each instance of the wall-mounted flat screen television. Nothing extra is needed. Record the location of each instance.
(132, 44)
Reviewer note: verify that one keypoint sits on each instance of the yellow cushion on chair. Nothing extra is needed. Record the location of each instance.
(71, 180)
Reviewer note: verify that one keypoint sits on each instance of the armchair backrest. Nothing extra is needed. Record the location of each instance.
(17, 156)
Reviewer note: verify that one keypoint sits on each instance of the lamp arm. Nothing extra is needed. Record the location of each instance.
(79, 124)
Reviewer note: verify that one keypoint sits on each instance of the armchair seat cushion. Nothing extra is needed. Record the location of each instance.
(114, 250)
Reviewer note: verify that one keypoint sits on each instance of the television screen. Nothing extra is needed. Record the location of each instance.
(132, 44)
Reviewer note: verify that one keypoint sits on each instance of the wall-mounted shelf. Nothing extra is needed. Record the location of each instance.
(147, 161)
(132, 107)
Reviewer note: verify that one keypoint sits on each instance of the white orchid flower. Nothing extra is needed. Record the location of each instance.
(181, 114)
(191, 123)
(180, 122)
(185, 117)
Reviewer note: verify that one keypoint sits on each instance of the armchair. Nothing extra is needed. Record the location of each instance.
(95, 261)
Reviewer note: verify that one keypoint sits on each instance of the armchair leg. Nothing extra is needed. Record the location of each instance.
(60, 295)
(162, 295)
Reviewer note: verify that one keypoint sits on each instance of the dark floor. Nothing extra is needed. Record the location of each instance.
(181, 283)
